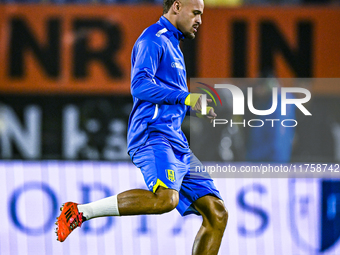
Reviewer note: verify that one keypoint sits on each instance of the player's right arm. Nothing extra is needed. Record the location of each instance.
(194, 100)
(146, 59)
(147, 55)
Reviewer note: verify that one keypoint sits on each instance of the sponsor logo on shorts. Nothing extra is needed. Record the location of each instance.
(170, 174)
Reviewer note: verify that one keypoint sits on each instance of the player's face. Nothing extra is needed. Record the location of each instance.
(190, 17)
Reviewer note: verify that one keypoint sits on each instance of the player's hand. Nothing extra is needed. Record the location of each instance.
(211, 115)
(195, 101)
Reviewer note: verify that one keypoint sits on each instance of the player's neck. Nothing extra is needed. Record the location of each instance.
(171, 18)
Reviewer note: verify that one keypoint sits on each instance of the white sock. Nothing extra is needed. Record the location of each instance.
(104, 207)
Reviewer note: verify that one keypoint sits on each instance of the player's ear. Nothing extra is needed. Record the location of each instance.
(176, 6)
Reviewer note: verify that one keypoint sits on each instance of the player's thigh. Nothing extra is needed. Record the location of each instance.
(195, 185)
(159, 166)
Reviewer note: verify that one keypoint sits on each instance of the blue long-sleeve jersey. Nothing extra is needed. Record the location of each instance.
(158, 87)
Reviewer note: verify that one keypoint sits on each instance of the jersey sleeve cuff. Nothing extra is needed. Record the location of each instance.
(185, 99)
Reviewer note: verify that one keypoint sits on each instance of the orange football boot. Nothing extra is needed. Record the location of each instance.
(69, 219)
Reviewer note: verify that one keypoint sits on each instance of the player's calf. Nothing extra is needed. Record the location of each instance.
(131, 202)
(137, 202)
(215, 217)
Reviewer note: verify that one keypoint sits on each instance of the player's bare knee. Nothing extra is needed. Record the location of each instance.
(167, 200)
(221, 215)
(168, 203)
(218, 216)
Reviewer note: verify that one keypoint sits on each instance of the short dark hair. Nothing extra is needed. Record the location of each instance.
(167, 5)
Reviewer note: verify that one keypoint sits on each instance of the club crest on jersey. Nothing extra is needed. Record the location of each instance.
(170, 174)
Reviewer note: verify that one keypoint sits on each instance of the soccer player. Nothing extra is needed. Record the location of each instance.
(156, 143)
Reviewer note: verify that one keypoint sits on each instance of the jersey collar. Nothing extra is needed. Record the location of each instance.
(167, 24)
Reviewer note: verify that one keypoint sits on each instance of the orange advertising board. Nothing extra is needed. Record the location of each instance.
(86, 49)
(290, 41)
(69, 49)
(292, 35)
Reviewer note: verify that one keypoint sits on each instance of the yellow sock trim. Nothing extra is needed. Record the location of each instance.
(158, 183)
